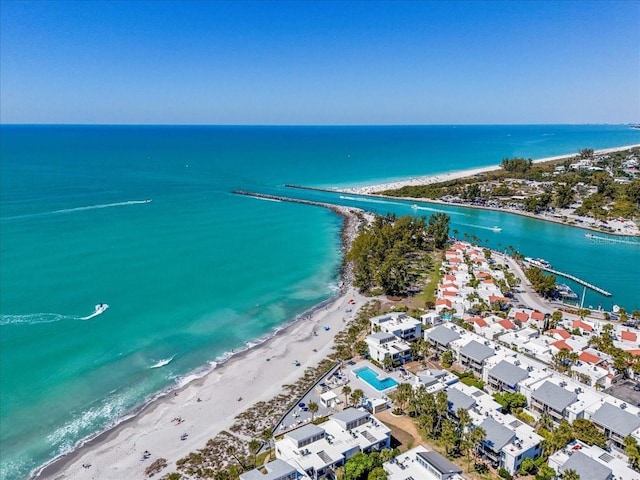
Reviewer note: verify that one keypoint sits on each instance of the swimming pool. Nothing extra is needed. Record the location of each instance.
(371, 377)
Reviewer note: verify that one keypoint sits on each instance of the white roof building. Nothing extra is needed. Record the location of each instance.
(420, 463)
(399, 324)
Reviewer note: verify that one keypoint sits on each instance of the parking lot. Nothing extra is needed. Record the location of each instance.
(624, 391)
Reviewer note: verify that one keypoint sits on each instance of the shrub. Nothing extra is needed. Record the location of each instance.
(504, 473)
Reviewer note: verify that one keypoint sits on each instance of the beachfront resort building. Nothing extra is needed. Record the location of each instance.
(382, 344)
(420, 463)
(399, 324)
(317, 450)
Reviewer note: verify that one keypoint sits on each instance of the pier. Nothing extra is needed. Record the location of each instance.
(575, 279)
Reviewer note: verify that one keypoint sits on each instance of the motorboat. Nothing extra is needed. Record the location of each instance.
(100, 308)
(496, 229)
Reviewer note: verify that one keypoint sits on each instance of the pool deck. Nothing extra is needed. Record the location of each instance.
(334, 381)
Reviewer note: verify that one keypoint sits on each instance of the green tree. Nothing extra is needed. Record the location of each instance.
(254, 448)
(438, 229)
(448, 435)
(586, 431)
(356, 396)
(377, 473)
(346, 391)
(545, 472)
(313, 408)
(266, 435)
(447, 359)
(511, 402)
(357, 466)
(570, 474)
(632, 450)
(528, 466)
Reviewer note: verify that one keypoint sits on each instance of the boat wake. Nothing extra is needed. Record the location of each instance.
(78, 209)
(429, 209)
(492, 229)
(627, 240)
(267, 199)
(33, 318)
(162, 363)
(100, 309)
(369, 200)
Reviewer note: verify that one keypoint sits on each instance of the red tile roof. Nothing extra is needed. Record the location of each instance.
(562, 345)
(493, 298)
(449, 293)
(483, 275)
(537, 316)
(589, 358)
(443, 301)
(559, 331)
(635, 353)
(478, 321)
(507, 324)
(455, 260)
(582, 325)
(450, 277)
(449, 285)
(521, 316)
(629, 336)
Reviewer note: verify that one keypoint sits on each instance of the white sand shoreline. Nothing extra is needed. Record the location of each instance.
(117, 452)
(458, 174)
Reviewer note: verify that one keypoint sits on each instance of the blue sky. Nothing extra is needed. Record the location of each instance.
(304, 62)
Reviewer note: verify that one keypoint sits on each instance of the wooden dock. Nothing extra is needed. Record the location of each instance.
(590, 286)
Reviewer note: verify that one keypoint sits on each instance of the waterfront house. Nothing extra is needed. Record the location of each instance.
(420, 463)
(552, 399)
(317, 450)
(473, 355)
(504, 377)
(508, 442)
(382, 344)
(441, 337)
(616, 423)
(399, 324)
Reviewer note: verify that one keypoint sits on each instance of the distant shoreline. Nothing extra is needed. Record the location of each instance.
(373, 191)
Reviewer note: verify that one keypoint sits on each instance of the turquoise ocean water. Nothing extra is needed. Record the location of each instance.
(199, 272)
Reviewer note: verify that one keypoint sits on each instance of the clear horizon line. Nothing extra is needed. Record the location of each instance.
(2, 124)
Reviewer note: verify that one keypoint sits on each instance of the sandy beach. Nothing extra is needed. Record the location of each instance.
(444, 177)
(210, 404)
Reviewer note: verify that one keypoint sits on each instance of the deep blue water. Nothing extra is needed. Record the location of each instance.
(199, 271)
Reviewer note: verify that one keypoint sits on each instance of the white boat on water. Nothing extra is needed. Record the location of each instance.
(496, 229)
(538, 262)
(100, 308)
(414, 206)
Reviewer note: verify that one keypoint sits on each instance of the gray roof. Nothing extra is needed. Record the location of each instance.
(556, 397)
(457, 400)
(304, 432)
(275, 470)
(442, 335)
(440, 463)
(477, 351)
(349, 415)
(498, 436)
(508, 373)
(616, 419)
(586, 467)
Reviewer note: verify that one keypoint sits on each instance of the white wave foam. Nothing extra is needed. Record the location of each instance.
(162, 363)
(267, 199)
(78, 209)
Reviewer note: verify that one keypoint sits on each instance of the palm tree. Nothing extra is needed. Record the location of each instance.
(476, 437)
(356, 396)
(231, 450)
(254, 447)
(403, 394)
(313, 408)
(570, 474)
(266, 435)
(346, 390)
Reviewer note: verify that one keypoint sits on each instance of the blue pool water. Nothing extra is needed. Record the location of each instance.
(371, 377)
